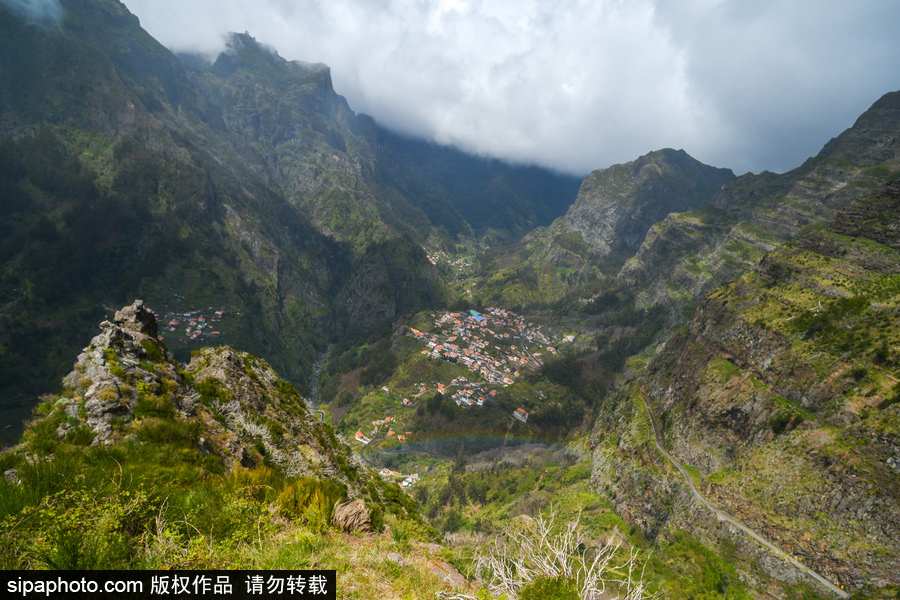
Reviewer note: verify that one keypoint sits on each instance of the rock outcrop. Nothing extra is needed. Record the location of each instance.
(110, 374)
(243, 413)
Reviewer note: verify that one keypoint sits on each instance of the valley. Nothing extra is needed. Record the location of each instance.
(268, 333)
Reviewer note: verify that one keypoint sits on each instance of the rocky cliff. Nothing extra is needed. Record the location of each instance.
(782, 394)
(687, 254)
(238, 410)
(617, 206)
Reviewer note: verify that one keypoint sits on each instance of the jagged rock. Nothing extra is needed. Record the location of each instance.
(894, 462)
(780, 570)
(116, 353)
(138, 318)
(10, 475)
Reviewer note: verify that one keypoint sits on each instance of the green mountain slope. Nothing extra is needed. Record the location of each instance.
(687, 254)
(246, 186)
(782, 395)
(606, 224)
(617, 206)
(467, 193)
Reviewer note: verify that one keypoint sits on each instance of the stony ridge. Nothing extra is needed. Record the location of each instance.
(243, 413)
(617, 206)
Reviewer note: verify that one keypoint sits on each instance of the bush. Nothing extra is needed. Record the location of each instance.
(165, 431)
(311, 499)
(550, 588)
(542, 561)
(154, 352)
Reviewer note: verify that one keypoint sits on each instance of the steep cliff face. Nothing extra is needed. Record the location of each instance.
(287, 122)
(783, 390)
(687, 254)
(617, 206)
(614, 210)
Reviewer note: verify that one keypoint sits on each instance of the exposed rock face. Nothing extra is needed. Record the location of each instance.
(877, 218)
(690, 253)
(617, 206)
(138, 318)
(107, 370)
(783, 392)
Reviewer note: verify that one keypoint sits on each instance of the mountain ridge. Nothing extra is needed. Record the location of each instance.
(298, 251)
(689, 253)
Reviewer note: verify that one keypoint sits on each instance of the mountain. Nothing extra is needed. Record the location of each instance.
(613, 211)
(154, 464)
(245, 186)
(492, 199)
(687, 254)
(616, 206)
(113, 190)
(741, 353)
(782, 395)
(356, 180)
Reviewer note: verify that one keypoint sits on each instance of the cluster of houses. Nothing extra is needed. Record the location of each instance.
(194, 323)
(408, 481)
(442, 257)
(390, 422)
(470, 393)
(469, 339)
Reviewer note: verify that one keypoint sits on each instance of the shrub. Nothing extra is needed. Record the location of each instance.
(352, 516)
(154, 352)
(312, 499)
(550, 588)
(165, 431)
(81, 435)
(539, 561)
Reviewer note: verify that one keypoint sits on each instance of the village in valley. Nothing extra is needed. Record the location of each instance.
(196, 324)
(496, 347)
(470, 339)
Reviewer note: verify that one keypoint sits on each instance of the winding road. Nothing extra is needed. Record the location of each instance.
(724, 516)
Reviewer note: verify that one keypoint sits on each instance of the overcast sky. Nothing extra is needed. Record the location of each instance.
(579, 85)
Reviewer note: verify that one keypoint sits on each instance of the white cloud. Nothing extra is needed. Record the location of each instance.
(580, 84)
(37, 11)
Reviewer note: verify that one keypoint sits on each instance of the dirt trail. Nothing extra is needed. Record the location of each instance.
(724, 516)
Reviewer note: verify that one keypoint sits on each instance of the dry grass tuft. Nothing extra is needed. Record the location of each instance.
(351, 517)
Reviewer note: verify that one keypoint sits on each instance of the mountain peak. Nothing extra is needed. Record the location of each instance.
(244, 51)
(616, 206)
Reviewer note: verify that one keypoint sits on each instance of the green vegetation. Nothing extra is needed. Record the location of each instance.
(220, 465)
